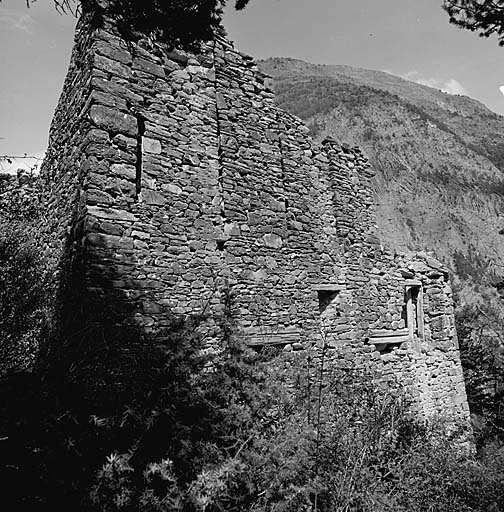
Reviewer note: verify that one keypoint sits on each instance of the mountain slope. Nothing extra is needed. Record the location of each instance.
(439, 160)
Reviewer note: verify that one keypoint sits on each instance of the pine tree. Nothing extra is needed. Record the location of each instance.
(483, 16)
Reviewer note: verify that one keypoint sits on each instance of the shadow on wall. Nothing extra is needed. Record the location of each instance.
(97, 380)
(96, 346)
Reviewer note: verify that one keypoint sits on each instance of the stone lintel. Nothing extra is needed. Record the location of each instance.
(387, 333)
(412, 282)
(268, 337)
(329, 287)
(390, 340)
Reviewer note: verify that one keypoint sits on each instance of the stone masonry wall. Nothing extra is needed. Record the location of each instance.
(64, 166)
(178, 187)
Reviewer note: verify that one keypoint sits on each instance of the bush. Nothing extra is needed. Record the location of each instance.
(235, 430)
(356, 450)
(481, 350)
(23, 286)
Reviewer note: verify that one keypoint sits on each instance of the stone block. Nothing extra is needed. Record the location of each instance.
(111, 66)
(146, 66)
(124, 171)
(109, 241)
(112, 120)
(273, 241)
(153, 198)
(111, 214)
(151, 146)
(119, 53)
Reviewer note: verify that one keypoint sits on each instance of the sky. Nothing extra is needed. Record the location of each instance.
(409, 38)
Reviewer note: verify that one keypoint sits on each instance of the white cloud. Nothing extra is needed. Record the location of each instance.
(451, 86)
(16, 21)
(30, 162)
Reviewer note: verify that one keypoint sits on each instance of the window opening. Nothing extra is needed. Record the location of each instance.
(404, 310)
(414, 312)
(385, 340)
(139, 155)
(325, 298)
(329, 302)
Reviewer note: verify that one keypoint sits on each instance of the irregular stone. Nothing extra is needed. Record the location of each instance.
(151, 146)
(174, 189)
(111, 214)
(124, 171)
(113, 52)
(433, 263)
(112, 66)
(111, 120)
(149, 67)
(151, 197)
(274, 241)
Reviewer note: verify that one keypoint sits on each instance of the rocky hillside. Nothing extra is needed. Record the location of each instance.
(439, 160)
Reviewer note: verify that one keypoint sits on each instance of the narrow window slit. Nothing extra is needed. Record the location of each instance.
(139, 154)
(414, 312)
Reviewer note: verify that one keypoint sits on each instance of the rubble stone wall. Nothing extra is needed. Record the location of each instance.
(177, 183)
(64, 168)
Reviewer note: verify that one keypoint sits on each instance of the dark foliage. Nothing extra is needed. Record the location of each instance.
(178, 22)
(482, 360)
(483, 16)
(172, 427)
(23, 287)
(18, 198)
(23, 277)
(164, 399)
(470, 265)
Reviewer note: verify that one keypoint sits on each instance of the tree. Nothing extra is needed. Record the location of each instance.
(177, 22)
(483, 16)
(23, 278)
(23, 285)
(65, 6)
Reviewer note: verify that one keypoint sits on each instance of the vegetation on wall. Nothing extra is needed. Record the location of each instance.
(178, 22)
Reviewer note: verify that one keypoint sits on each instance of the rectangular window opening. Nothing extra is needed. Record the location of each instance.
(414, 312)
(325, 298)
(139, 155)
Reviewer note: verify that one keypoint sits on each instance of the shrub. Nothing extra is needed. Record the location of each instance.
(235, 430)
(363, 452)
(481, 357)
(23, 286)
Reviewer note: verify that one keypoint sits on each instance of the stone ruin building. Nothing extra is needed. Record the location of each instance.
(173, 181)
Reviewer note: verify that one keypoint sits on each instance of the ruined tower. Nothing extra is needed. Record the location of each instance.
(173, 185)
